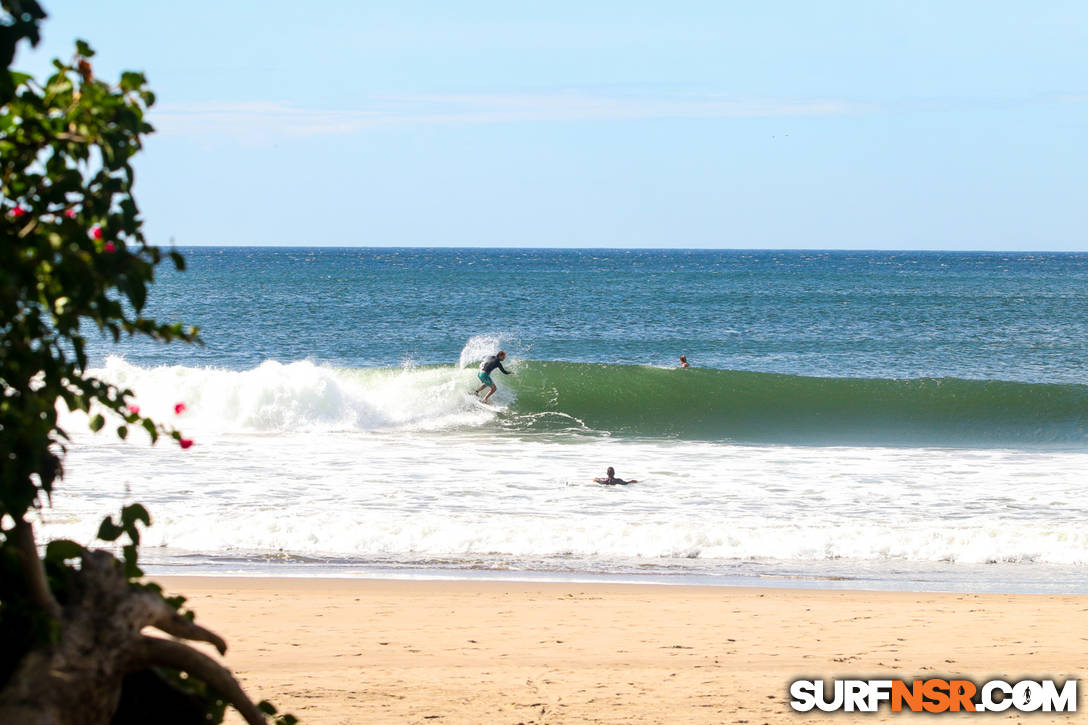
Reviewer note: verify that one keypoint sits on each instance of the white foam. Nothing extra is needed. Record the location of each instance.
(412, 495)
(297, 397)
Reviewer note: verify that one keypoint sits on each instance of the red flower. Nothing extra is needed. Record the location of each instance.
(186, 442)
(18, 212)
(133, 409)
(70, 213)
(96, 232)
(110, 247)
(179, 408)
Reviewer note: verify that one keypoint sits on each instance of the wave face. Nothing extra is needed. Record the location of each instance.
(742, 406)
(560, 398)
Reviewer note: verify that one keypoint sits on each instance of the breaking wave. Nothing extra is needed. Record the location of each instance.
(624, 400)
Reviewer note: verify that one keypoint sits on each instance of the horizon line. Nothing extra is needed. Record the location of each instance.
(295, 245)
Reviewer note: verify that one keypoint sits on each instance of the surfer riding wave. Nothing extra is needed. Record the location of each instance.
(490, 363)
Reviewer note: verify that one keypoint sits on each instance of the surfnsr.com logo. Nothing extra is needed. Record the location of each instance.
(934, 695)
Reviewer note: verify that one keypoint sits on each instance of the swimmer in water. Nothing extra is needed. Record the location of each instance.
(611, 479)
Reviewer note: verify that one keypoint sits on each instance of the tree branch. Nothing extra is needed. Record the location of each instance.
(27, 228)
(33, 569)
(155, 652)
(162, 616)
(72, 137)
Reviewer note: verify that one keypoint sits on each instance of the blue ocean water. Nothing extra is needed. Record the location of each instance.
(998, 316)
(894, 420)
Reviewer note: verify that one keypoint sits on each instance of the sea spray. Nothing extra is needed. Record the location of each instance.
(479, 347)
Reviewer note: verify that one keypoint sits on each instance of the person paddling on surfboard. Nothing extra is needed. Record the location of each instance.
(490, 363)
(611, 479)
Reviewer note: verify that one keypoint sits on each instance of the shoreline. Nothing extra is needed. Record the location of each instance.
(365, 650)
(950, 579)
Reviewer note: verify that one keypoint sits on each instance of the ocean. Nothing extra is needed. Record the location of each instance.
(889, 420)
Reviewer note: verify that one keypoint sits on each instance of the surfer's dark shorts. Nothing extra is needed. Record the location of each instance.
(484, 378)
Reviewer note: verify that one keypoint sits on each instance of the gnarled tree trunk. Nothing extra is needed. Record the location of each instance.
(77, 680)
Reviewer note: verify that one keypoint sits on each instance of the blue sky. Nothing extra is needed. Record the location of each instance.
(854, 125)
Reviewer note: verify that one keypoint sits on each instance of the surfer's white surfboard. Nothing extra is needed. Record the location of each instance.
(486, 406)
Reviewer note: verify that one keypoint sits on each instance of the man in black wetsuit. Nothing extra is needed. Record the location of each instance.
(611, 479)
(490, 363)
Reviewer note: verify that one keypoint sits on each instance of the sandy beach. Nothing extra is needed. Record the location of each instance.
(363, 651)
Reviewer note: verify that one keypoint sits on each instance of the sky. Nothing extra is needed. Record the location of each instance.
(772, 124)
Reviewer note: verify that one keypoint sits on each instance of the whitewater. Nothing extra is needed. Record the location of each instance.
(393, 471)
(860, 420)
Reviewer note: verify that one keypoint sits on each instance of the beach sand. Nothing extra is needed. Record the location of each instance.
(365, 651)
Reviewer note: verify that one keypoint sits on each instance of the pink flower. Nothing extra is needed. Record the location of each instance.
(186, 442)
(179, 408)
(96, 232)
(70, 213)
(133, 409)
(110, 247)
(18, 212)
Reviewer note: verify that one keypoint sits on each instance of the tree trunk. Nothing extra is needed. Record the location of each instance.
(77, 680)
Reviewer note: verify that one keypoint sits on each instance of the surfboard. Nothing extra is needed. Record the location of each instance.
(486, 406)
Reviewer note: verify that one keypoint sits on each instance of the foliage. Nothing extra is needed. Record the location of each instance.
(73, 261)
(74, 255)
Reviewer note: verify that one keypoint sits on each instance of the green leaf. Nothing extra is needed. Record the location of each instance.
(109, 531)
(59, 550)
(149, 426)
(84, 49)
(137, 295)
(134, 512)
(131, 81)
(174, 602)
(179, 261)
(97, 421)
